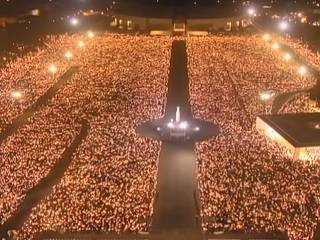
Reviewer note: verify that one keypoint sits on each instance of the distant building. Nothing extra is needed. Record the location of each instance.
(179, 26)
(179, 20)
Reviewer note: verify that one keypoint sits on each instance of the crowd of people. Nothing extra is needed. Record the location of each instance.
(110, 184)
(303, 49)
(300, 103)
(28, 155)
(248, 183)
(26, 78)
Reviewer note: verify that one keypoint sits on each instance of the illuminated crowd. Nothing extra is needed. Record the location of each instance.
(28, 156)
(303, 49)
(110, 184)
(28, 76)
(248, 183)
(300, 103)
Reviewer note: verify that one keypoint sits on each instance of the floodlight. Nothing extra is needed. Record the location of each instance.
(74, 21)
(81, 44)
(302, 70)
(53, 69)
(287, 56)
(16, 94)
(183, 125)
(68, 55)
(266, 37)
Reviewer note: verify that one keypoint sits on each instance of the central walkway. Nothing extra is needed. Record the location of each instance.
(175, 215)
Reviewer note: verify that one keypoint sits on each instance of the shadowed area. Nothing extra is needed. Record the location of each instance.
(44, 188)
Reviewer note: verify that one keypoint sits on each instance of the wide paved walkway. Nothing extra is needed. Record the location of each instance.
(176, 207)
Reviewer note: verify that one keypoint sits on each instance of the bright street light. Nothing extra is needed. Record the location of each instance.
(266, 96)
(81, 44)
(275, 46)
(287, 56)
(53, 69)
(74, 21)
(251, 11)
(266, 37)
(283, 26)
(302, 70)
(90, 34)
(183, 125)
(170, 125)
(68, 55)
(16, 94)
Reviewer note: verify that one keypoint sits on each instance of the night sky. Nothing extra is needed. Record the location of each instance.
(17, 6)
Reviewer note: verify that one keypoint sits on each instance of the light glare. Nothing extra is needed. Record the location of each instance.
(251, 11)
(183, 125)
(287, 56)
(266, 96)
(283, 25)
(68, 55)
(81, 44)
(53, 69)
(74, 21)
(16, 94)
(170, 125)
(266, 37)
(90, 34)
(302, 70)
(276, 46)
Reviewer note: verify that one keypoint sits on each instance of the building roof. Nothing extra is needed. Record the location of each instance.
(299, 129)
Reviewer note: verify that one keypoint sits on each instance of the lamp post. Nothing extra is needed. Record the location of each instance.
(266, 97)
(74, 21)
(53, 69)
(287, 57)
(90, 34)
(68, 55)
(266, 37)
(81, 44)
(302, 71)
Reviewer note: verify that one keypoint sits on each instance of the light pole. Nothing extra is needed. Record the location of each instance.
(68, 55)
(266, 97)
(74, 21)
(302, 71)
(53, 69)
(90, 34)
(81, 44)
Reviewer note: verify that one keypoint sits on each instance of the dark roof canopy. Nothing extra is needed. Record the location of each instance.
(300, 129)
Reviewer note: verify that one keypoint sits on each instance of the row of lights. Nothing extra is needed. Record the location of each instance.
(302, 70)
(267, 96)
(53, 69)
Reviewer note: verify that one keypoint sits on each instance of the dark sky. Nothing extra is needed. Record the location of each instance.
(18, 6)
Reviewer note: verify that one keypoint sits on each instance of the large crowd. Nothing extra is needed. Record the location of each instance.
(29, 155)
(300, 103)
(110, 184)
(29, 76)
(248, 183)
(301, 48)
